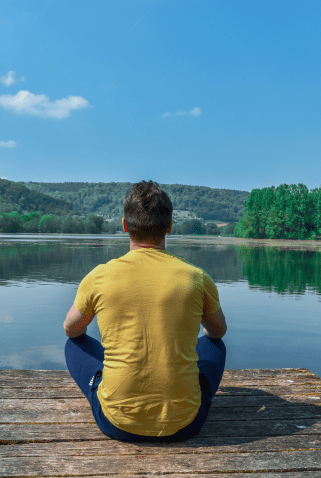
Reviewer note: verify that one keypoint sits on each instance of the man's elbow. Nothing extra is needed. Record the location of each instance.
(75, 331)
(215, 334)
(74, 334)
(225, 330)
(67, 332)
(66, 329)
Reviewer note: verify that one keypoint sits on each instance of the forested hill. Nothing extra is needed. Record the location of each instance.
(107, 198)
(16, 197)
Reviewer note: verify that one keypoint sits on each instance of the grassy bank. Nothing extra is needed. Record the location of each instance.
(294, 244)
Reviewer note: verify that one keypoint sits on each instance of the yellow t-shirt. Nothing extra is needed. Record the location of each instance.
(149, 306)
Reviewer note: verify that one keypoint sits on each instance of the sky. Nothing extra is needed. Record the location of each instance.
(217, 93)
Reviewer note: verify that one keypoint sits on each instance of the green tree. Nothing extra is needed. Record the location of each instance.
(296, 209)
(212, 230)
(29, 217)
(228, 230)
(287, 212)
(94, 224)
(316, 212)
(275, 223)
(10, 223)
(80, 227)
(248, 226)
(47, 224)
(68, 225)
(110, 227)
(32, 226)
(193, 226)
(267, 202)
(252, 225)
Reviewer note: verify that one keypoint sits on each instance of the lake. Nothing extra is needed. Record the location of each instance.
(270, 297)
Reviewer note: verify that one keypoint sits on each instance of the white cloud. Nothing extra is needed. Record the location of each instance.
(8, 144)
(40, 105)
(9, 79)
(194, 112)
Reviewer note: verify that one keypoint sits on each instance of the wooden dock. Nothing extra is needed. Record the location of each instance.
(263, 423)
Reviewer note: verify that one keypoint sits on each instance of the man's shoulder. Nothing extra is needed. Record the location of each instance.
(100, 268)
(188, 265)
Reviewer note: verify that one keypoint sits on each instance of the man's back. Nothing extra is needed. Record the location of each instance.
(149, 306)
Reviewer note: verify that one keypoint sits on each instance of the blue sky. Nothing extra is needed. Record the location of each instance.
(218, 93)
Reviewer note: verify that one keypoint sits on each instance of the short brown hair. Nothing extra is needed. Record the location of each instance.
(147, 210)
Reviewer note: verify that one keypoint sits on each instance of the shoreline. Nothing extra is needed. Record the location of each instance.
(293, 244)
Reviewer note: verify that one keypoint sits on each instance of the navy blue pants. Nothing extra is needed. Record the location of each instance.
(84, 359)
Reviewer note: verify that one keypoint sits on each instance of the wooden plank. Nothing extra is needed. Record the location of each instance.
(263, 422)
(194, 445)
(16, 378)
(247, 372)
(27, 394)
(235, 374)
(89, 431)
(79, 410)
(72, 392)
(163, 464)
(52, 383)
(224, 385)
(294, 474)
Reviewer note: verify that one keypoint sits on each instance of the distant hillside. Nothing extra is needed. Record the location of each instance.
(16, 197)
(209, 204)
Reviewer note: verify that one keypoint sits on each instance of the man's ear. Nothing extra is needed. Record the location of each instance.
(169, 229)
(124, 225)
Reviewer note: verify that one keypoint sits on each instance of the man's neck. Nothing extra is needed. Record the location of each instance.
(147, 244)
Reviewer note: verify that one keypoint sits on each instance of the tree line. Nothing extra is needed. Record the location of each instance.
(36, 222)
(285, 212)
(106, 199)
(16, 197)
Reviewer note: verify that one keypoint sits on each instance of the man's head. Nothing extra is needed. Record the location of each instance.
(147, 212)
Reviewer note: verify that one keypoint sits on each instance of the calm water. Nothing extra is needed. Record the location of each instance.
(270, 298)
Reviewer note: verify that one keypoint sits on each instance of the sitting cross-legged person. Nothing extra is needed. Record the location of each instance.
(151, 378)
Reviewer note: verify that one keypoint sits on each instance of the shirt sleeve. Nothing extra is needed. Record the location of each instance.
(84, 301)
(211, 298)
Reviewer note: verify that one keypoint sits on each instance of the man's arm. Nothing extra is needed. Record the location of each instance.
(76, 323)
(214, 325)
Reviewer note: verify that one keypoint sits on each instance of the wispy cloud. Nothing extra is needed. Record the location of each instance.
(194, 112)
(9, 78)
(8, 144)
(40, 105)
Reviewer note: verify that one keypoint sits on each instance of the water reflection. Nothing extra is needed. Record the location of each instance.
(67, 261)
(281, 270)
(270, 297)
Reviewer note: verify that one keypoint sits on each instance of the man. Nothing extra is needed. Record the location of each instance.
(150, 378)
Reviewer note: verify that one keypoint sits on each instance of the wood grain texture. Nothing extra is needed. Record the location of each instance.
(262, 423)
(293, 474)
